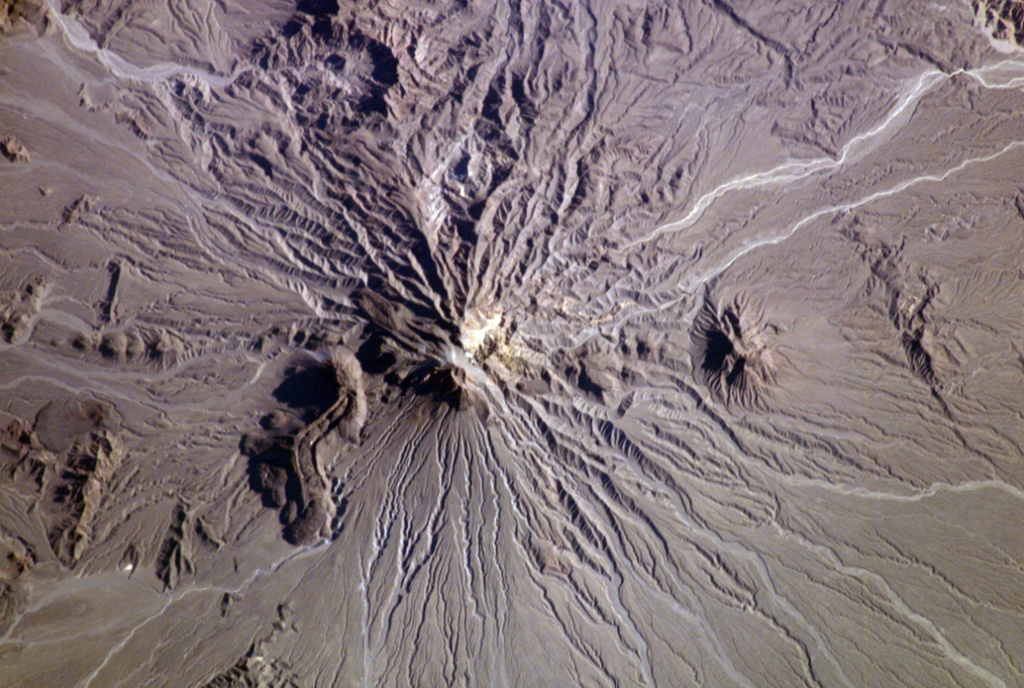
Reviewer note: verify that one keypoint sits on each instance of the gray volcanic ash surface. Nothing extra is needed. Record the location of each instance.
(511, 344)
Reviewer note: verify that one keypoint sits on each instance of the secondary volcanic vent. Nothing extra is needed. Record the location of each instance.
(290, 462)
(732, 353)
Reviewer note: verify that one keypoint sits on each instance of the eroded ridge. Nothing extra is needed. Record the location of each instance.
(64, 462)
(1004, 19)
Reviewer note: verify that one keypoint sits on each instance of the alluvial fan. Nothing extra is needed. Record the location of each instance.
(500, 343)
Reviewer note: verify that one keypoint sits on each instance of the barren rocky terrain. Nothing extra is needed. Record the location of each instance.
(504, 343)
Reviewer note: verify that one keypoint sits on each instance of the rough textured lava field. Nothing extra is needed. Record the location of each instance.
(511, 343)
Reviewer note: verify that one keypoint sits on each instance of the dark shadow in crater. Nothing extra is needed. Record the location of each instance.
(717, 351)
(309, 390)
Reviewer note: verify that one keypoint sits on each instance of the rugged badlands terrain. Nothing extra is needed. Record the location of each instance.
(511, 343)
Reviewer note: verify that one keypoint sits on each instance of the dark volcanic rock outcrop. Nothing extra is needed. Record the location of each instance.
(290, 462)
